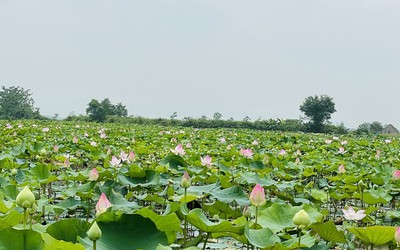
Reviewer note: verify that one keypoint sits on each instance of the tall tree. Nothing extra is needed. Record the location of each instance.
(98, 111)
(17, 103)
(318, 110)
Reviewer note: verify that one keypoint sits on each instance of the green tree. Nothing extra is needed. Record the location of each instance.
(98, 111)
(17, 103)
(217, 116)
(376, 127)
(318, 110)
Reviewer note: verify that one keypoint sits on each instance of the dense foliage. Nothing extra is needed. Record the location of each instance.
(182, 187)
(17, 103)
(98, 111)
(318, 109)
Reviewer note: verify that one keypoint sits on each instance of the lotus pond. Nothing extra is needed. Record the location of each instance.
(106, 186)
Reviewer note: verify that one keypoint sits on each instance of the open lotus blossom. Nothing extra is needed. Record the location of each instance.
(282, 152)
(255, 143)
(257, 196)
(397, 236)
(9, 126)
(115, 162)
(341, 150)
(388, 141)
(103, 135)
(350, 214)
(46, 130)
(341, 169)
(378, 154)
(178, 150)
(206, 161)
(246, 152)
(189, 145)
(93, 143)
(222, 140)
(396, 175)
(93, 175)
(327, 141)
(123, 156)
(102, 205)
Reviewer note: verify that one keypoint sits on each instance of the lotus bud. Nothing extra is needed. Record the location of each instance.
(14, 171)
(93, 175)
(94, 232)
(33, 209)
(257, 196)
(246, 212)
(102, 204)
(186, 181)
(397, 236)
(25, 198)
(301, 218)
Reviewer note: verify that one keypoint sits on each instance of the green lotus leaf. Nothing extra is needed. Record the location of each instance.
(68, 230)
(374, 235)
(231, 194)
(329, 232)
(11, 238)
(261, 238)
(54, 244)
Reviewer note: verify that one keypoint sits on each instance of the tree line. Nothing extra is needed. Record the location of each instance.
(17, 103)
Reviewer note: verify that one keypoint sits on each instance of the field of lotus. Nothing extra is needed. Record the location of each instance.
(107, 186)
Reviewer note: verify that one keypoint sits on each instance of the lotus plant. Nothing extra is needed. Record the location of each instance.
(206, 161)
(397, 236)
(93, 175)
(179, 150)
(246, 152)
(301, 219)
(102, 205)
(350, 214)
(115, 162)
(257, 198)
(396, 175)
(25, 199)
(341, 169)
(94, 233)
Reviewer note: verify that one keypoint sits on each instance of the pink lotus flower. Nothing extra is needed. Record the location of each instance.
(123, 156)
(222, 140)
(46, 130)
(66, 162)
(257, 196)
(254, 143)
(246, 152)
(188, 145)
(178, 150)
(341, 150)
(103, 135)
(350, 214)
(9, 126)
(397, 236)
(282, 152)
(341, 169)
(93, 143)
(93, 175)
(75, 140)
(55, 148)
(131, 156)
(396, 175)
(115, 162)
(328, 141)
(102, 205)
(387, 141)
(206, 161)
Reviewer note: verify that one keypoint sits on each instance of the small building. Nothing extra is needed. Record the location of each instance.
(390, 130)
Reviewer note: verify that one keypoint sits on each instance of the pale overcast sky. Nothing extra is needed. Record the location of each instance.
(197, 57)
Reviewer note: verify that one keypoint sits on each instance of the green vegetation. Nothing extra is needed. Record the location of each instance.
(318, 109)
(17, 103)
(69, 185)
